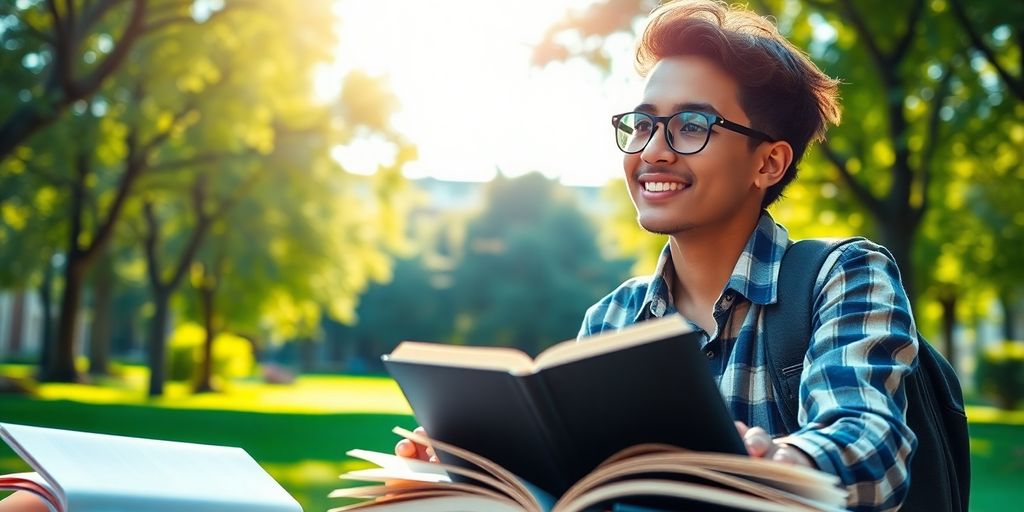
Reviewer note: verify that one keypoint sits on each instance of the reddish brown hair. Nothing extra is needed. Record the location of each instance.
(782, 92)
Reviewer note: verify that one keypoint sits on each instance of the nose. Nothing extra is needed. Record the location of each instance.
(658, 150)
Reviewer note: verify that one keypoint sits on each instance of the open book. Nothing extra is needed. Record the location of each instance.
(621, 416)
(554, 419)
(85, 472)
(644, 477)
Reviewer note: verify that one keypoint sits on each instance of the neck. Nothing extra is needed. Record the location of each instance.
(704, 258)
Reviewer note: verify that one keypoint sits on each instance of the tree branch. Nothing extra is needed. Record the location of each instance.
(1016, 85)
(903, 43)
(133, 168)
(92, 14)
(238, 194)
(62, 50)
(82, 170)
(69, 8)
(203, 222)
(865, 35)
(132, 31)
(58, 22)
(206, 158)
(149, 243)
(46, 174)
(860, 191)
(160, 137)
(156, 25)
(934, 122)
(29, 117)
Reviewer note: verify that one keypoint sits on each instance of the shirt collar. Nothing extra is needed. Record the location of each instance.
(755, 276)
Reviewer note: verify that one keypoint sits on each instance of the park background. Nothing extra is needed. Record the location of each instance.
(216, 215)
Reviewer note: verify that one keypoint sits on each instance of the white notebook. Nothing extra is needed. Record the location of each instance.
(85, 472)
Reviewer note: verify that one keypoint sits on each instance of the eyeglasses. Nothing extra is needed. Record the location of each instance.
(687, 132)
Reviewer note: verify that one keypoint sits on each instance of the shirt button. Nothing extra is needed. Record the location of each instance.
(710, 353)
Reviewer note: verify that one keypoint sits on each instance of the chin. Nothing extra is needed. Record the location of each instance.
(663, 226)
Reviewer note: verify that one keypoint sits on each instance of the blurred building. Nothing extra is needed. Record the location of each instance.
(21, 324)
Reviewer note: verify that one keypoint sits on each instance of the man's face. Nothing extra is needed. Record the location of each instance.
(706, 189)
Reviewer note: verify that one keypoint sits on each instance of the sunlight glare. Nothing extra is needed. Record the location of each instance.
(470, 99)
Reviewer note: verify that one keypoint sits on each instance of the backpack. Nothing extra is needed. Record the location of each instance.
(940, 468)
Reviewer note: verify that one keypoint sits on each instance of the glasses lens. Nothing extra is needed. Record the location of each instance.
(688, 132)
(633, 130)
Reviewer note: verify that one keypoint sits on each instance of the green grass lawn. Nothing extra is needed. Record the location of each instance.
(300, 433)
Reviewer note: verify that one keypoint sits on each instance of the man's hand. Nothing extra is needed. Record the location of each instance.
(411, 450)
(761, 445)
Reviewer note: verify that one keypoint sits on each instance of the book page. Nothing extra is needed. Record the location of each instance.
(484, 358)
(781, 483)
(636, 334)
(103, 472)
(718, 480)
(412, 475)
(518, 363)
(432, 503)
(521, 493)
(672, 489)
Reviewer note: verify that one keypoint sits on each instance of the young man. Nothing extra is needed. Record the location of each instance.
(728, 109)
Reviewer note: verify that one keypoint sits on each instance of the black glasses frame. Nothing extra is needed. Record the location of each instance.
(713, 120)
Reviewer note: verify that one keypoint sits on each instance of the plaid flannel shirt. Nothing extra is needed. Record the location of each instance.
(852, 397)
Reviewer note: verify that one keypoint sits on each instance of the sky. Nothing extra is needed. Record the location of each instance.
(469, 97)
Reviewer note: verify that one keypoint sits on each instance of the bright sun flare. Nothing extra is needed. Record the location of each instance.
(469, 98)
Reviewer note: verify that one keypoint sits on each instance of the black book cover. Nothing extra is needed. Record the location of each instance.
(553, 427)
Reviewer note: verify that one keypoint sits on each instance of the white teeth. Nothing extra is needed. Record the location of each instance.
(663, 186)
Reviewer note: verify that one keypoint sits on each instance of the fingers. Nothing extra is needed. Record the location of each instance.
(792, 455)
(741, 427)
(424, 452)
(758, 442)
(405, 448)
(409, 449)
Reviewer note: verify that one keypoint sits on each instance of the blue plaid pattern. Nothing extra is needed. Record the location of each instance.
(852, 397)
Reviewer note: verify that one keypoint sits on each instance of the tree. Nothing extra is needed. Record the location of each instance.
(997, 34)
(302, 245)
(186, 89)
(416, 304)
(531, 266)
(65, 51)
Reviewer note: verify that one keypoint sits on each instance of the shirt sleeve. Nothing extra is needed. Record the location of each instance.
(616, 310)
(852, 394)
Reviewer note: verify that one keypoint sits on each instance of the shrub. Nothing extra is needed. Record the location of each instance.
(1001, 373)
(232, 355)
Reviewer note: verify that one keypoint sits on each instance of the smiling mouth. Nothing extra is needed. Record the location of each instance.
(664, 186)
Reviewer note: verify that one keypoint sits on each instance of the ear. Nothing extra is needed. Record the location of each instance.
(775, 159)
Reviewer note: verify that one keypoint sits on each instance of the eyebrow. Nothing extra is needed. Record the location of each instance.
(679, 107)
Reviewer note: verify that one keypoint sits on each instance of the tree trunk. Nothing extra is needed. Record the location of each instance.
(897, 235)
(157, 347)
(205, 382)
(46, 298)
(62, 367)
(948, 300)
(1006, 300)
(99, 335)
(307, 354)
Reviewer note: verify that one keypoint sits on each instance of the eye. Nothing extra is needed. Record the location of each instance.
(691, 128)
(642, 125)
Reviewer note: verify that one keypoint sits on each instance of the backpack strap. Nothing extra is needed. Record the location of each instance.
(787, 323)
